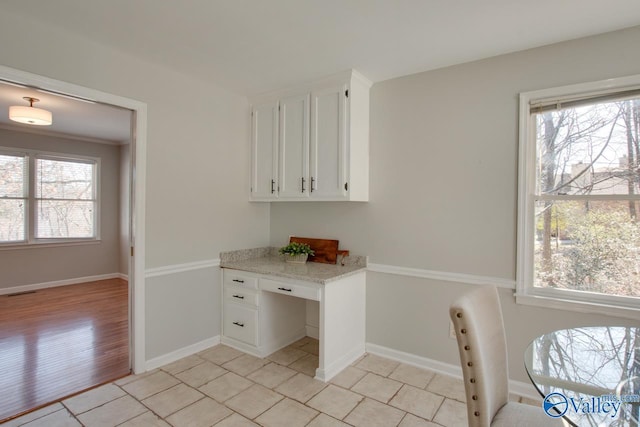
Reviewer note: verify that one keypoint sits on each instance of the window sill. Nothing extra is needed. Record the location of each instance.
(52, 244)
(591, 307)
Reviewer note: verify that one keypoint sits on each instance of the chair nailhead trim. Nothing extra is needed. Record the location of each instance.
(466, 347)
(459, 315)
(463, 331)
(474, 397)
(472, 380)
(477, 414)
(470, 364)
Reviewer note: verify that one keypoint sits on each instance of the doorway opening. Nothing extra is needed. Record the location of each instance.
(73, 281)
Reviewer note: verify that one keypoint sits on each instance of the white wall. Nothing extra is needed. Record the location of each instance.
(125, 204)
(443, 184)
(198, 159)
(37, 265)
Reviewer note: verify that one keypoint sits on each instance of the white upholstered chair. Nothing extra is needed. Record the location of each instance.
(477, 318)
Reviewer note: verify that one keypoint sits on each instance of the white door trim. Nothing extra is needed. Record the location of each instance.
(139, 160)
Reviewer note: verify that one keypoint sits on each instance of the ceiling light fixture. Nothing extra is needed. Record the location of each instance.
(30, 115)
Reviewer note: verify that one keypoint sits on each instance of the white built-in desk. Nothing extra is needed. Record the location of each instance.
(265, 306)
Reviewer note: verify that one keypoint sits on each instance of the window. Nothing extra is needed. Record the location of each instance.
(46, 198)
(13, 197)
(65, 199)
(579, 196)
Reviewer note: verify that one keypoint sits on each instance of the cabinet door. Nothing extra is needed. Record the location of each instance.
(264, 140)
(328, 143)
(294, 147)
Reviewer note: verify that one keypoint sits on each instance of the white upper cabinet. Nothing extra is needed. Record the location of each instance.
(311, 143)
(327, 158)
(264, 148)
(294, 147)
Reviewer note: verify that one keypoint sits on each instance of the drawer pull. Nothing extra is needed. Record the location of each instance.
(239, 296)
(285, 289)
(239, 324)
(238, 281)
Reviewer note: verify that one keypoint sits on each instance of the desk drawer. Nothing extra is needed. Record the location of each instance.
(294, 289)
(242, 296)
(240, 323)
(237, 278)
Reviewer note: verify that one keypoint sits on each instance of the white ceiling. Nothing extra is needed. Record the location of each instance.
(71, 117)
(254, 46)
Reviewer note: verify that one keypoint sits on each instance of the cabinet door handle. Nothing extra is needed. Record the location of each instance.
(238, 296)
(239, 324)
(302, 184)
(273, 184)
(285, 289)
(313, 180)
(238, 281)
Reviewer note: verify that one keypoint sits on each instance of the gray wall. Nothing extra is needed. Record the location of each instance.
(443, 186)
(33, 265)
(197, 178)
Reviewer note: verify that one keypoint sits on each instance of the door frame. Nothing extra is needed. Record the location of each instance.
(137, 177)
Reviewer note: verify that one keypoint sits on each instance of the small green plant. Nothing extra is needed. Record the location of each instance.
(296, 248)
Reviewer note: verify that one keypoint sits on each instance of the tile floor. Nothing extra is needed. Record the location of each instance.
(224, 387)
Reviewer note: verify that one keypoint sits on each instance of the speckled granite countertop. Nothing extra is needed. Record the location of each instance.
(267, 261)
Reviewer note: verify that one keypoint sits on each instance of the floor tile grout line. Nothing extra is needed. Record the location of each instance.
(395, 394)
(305, 403)
(184, 370)
(316, 416)
(284, 396)
(266, 361)
(65, 408)
(354, 408)
(438, 410)
(140, 402)
(403, 417)
(94, 407)
(256, 417)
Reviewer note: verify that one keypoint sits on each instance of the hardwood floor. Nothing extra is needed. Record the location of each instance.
(59, 341)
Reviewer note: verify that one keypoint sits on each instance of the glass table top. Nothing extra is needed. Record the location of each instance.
(590, 375)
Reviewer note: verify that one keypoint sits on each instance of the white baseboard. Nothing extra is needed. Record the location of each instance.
(123, 276)
(165, 359)
(65, 282)
(239, 345)
(338, 365)
(313, 331)
(264, 350)
(515, 387)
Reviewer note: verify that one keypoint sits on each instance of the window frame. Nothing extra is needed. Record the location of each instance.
(31, 201)
(25, 192)
(526, 292)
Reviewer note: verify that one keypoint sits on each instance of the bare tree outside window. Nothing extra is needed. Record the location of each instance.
(586, 200)
(592, 362)
(65, 199)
